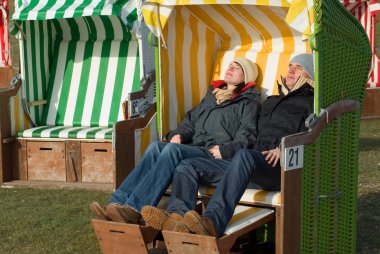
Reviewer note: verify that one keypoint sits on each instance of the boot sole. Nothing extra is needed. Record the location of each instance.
(193, 222)
(154, 217)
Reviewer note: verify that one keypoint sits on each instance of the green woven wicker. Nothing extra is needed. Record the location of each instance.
(342, 57)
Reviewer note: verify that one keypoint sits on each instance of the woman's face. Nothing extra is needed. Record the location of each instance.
(234, 74)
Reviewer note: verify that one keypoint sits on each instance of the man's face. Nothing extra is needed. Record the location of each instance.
(294, 72)
(234, 74)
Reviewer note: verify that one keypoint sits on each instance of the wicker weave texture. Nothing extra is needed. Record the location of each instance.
(342, 55)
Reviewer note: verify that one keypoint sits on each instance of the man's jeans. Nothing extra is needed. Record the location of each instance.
(231, 179)
(148, 181)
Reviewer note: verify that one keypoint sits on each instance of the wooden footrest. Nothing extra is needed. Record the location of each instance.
(245, 219)
(115, 237)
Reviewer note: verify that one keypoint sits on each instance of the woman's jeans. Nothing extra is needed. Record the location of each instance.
(231, 179)
(151, 177)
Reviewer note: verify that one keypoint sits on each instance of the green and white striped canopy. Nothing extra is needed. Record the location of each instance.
(57, 9)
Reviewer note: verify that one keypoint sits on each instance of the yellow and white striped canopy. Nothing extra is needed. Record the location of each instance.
(300, 15)
(200, 39)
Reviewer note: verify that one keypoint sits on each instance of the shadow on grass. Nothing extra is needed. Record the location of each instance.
(368, 232)
(369, 144)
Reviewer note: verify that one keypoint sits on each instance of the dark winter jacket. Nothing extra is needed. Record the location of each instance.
(282, 115)
(231, 125)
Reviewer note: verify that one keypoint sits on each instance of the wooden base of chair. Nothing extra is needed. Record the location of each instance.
(114, 237)
(59, 161)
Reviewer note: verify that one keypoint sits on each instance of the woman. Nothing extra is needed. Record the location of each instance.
(221, 124)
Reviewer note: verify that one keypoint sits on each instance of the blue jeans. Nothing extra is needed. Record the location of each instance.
(149, 180)
(231, 179)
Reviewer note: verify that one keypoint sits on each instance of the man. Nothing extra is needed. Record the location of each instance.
(222, 123)
(281, 115)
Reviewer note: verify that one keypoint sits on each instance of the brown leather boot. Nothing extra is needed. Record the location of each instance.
(162, 220)
(98, 211)
(199, 224)
(124, 214)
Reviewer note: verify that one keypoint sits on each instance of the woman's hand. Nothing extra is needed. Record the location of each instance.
(176, 139)
(215, 152)
(272, 156)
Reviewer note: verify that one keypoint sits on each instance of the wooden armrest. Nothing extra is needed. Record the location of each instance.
(335, 110)
(124, 144)
(36, 103)
(135, 123)
(13, 90)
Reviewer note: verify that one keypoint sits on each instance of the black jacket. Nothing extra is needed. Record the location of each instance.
(231, 125)
(282, 115)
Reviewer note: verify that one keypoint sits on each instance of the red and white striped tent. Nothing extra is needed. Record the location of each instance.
(365, 11)
(4, 35)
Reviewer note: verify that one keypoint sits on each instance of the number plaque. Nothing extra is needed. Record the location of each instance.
(293, 157)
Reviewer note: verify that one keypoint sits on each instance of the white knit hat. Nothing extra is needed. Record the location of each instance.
(249, 69)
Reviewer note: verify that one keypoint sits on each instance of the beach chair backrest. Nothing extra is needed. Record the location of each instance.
(80, 59)
(94, 66)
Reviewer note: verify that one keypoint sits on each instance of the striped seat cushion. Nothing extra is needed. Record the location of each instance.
(67, 132)
(250, 196)
(244, 216)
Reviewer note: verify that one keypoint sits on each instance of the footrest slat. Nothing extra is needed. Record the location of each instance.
(245, 219)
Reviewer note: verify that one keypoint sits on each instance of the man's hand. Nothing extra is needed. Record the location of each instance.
(272, 156)
(215, 151)
(176, 139)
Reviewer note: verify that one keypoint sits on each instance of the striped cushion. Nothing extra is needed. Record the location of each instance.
(244, 216)
(67, 132)
(251, 196)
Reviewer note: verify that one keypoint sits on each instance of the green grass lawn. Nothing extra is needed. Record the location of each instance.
(58, 221)
(368, 239)
(47, 221)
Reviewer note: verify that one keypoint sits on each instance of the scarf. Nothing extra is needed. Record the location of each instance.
(222, 95)
(301, 80)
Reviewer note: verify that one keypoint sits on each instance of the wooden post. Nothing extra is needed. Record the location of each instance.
(6, 74)
(371, 106)
(290, 221)
(5, 148)
(6, 91)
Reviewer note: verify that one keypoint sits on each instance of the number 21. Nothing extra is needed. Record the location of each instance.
(292, 153)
